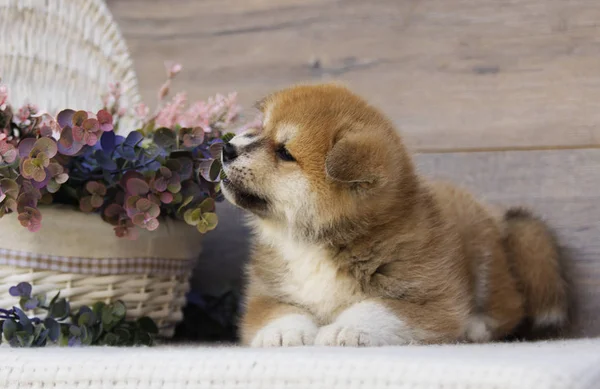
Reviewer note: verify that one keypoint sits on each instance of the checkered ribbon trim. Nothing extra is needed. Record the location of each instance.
(96, 266)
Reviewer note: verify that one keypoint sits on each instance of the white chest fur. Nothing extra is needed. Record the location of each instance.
(314, 281)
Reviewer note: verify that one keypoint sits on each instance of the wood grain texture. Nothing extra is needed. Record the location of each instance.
(451, 73)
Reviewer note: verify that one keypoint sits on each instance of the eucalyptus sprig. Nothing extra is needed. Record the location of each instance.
(101, 324)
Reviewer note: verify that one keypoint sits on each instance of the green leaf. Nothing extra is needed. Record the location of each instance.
(227, 137)
(137, 186)
(42, 338)
(53, 301)
(151, 151)
(46, 146)
(202, 227)
(111, 339)
(41, 298)
(208, 205)
(75, 331)
(60, 309)
(177, 197)
(53, 328)
(25, 339)
(185, 202)
(148, 325)
(24, 321)
(107, 319)
(84, 332)
(211, 220)
(95, 333)
(97, 308)
(165, 138)
(119, 310)
(145, 339)
(174, 187)
(123, 335)
(210, 170)
(88, 337)
(9, 328)
(192, 216)
(85, 319)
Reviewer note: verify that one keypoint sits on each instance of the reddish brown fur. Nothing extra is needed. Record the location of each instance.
(428, 251)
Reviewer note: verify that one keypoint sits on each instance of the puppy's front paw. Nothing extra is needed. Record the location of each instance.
(287, 331)
(340, 335)
(365, 324)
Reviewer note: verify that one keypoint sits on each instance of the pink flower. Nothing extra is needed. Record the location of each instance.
(143, 212)
(24, 113)
(106, 120)
(8, 153)
(87, 132)
(173, 68)
(216, 113)
(197, 115)
(233, 109)
(164, 90)
(170, 113)
(88, 129)
(31, 218)
(141, 111)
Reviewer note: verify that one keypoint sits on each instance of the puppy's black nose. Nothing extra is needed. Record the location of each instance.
(229, 152)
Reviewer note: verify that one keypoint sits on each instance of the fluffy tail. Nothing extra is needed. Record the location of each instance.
(539, 267)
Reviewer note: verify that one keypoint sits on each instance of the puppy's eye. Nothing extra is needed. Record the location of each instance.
(284, 154)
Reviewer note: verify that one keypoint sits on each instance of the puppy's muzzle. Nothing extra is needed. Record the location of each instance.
(229, 152)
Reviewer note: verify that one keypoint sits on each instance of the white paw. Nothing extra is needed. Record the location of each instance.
(287, 331)
(340, 335)
(366, 324)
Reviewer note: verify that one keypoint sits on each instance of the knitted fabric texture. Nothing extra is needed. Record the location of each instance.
(553, 365)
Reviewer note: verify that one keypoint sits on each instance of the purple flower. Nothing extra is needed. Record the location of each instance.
(22, 289)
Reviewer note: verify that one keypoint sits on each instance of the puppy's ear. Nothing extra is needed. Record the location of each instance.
(356, 158)
(261, 104)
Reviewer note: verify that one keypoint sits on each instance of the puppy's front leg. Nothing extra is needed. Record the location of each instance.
(269, 323)
(380, 322)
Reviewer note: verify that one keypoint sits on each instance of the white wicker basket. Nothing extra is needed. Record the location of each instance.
(79, 255)
(62, 54)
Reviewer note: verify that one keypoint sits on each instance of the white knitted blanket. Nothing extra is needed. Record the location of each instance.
(553, 365)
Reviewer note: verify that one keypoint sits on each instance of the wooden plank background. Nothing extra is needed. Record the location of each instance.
(457, 76)
(451, 73)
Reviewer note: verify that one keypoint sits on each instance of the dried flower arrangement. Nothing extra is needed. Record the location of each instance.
(168, 167)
